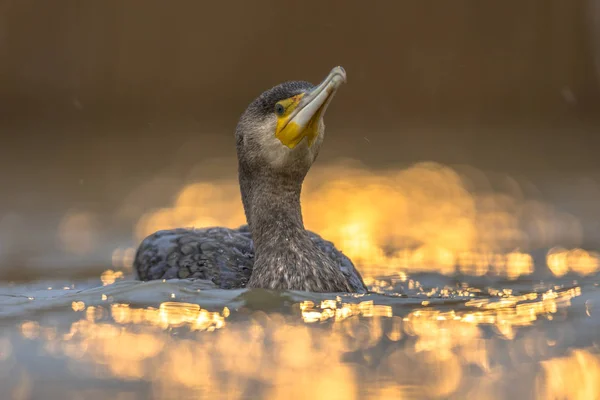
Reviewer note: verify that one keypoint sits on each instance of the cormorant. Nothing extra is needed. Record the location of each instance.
(278, 138)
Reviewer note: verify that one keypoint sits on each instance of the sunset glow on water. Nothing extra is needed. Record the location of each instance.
(474, 294)
(425, 218)
(459, 172)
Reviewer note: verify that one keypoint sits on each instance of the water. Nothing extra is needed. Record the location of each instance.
(420, 336)
(469, 298)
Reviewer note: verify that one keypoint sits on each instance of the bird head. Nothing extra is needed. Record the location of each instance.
(282, 130)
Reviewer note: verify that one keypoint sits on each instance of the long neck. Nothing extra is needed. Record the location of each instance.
(273, 211)
(285, 255)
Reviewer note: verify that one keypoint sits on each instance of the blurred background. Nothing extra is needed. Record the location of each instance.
(460, 172)
(474, 125)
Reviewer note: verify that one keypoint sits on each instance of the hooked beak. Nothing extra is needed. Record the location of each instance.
(304, 120)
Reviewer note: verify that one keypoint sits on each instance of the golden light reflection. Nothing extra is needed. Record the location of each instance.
(423, 218)
(170, 314)
(338, 311)
(561, 261)
(30, 329)
(573, 377)
(109, 277)
(429, 352)
(78, 306)
(123, 258)
(197, 205)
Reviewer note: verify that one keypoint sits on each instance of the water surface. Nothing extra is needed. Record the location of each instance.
(417, 336)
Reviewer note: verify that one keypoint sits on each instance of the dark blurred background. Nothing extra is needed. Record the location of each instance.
(99, 98)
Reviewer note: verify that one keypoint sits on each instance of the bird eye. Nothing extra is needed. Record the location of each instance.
(279, 109)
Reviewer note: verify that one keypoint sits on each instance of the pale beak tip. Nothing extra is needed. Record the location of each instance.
(339, 73)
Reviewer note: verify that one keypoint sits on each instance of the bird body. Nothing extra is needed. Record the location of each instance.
(220, 255)
(278, 138)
